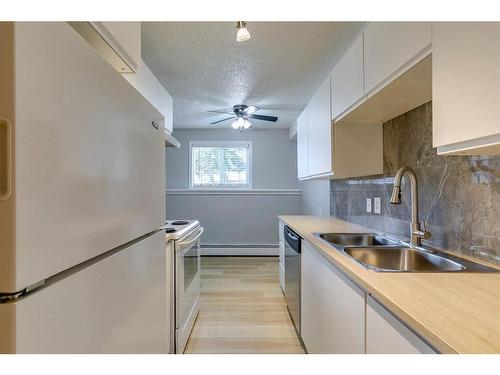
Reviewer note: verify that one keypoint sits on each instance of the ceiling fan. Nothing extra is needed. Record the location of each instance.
(242, 114)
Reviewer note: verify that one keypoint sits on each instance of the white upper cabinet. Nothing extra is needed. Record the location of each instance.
(148, 85)
(387, 335)
(466, 87)
(302, 145)
(335, 151)
(320, 131)
(145, 82)
(391, 48)
(124, 38)
(119, 43)
(165, 106)
(281, 236)
(347, 78)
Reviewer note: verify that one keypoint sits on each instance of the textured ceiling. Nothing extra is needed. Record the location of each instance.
(278, 69)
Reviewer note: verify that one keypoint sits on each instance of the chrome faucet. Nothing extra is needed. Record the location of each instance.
(417, 232)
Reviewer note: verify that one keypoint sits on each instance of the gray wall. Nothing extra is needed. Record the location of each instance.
(315, 197)
(459, 196)
(237, 219)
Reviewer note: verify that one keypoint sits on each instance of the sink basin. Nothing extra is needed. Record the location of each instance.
(355, 239)
(401, 259)
(379, 253)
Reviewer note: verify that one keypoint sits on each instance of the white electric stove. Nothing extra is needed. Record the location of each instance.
(183, 249)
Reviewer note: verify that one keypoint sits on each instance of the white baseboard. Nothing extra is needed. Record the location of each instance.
(239, 251)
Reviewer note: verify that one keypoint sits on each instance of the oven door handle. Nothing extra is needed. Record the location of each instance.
(187, 243)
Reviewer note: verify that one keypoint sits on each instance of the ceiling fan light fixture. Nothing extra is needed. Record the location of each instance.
(241, 123)
(242, 34)
(247, 124)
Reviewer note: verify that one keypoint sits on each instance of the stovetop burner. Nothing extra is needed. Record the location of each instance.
(179, 222)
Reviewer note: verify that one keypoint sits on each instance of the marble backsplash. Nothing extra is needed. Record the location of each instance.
(459, 196)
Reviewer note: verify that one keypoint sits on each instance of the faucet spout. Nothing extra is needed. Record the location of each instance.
(417, 233)
(396, 195)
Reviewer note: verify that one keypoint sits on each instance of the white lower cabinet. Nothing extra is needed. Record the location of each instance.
(282, 277)
(332, 307)
(281, 238)
(282, 265)
(338, 317)
(387, 335)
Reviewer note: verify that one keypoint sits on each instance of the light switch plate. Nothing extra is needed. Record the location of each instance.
(368, 205)
(376, 204)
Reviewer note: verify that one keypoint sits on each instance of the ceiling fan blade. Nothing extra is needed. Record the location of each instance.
(250, 110)
(226, 113)
(224, 119)
(264, 118)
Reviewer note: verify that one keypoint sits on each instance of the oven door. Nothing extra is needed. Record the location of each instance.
(187, 285)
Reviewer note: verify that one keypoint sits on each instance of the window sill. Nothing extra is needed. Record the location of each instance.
(226, 188)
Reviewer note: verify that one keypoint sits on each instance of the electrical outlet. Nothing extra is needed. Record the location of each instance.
(377, 204)
(368, 205)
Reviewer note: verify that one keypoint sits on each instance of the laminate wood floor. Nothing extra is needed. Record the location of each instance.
(242, 308)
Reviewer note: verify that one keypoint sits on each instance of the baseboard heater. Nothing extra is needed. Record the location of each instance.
(239, 250)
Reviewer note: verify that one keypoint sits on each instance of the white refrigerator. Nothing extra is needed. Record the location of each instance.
(82, 260)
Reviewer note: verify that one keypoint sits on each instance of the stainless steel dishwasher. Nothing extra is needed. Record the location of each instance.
(292, 275)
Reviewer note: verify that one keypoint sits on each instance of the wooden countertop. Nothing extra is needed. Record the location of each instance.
(454, 312)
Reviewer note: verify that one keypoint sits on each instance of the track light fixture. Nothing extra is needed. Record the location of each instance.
(242, 34)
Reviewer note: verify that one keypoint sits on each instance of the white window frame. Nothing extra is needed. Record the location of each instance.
(222, 144)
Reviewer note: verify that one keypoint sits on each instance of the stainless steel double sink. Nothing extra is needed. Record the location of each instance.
(384, 254)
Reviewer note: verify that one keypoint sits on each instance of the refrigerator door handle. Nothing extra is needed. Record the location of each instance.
(7, 297)
(11, 297)
(16, 296)
(5, 158)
